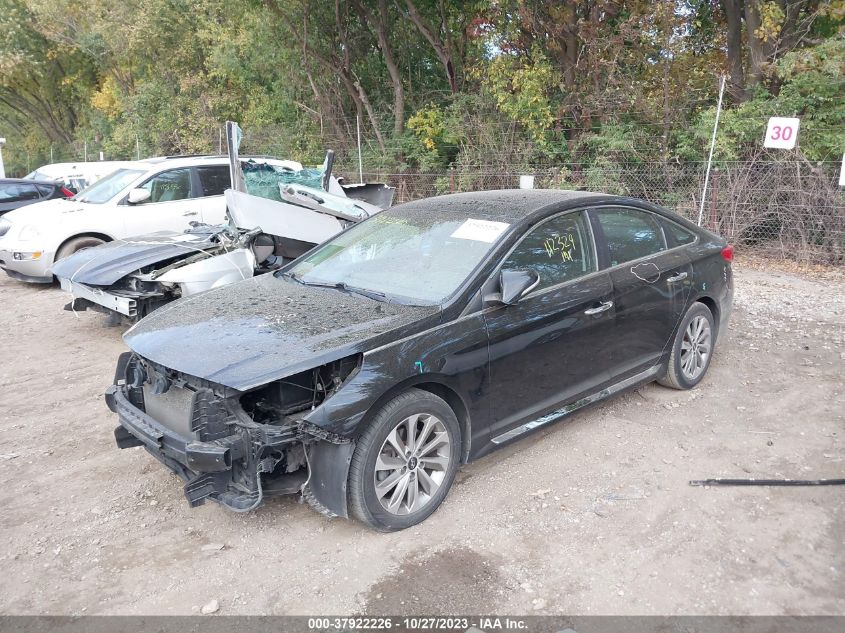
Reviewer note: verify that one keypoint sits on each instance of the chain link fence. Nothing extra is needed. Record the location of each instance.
(786, 209)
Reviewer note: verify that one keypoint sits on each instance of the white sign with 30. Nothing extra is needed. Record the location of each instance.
(781, 133)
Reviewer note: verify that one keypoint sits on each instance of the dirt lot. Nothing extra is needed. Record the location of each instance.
(591, 516)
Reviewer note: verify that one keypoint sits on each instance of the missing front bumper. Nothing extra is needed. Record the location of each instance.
(227, 470)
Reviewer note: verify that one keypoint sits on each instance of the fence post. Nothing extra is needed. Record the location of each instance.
(714, 195)
(451, 180)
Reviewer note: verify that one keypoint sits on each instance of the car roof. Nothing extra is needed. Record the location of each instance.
(500, 205)
(157, 162)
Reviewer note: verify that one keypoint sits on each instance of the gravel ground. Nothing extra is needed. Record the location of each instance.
(591, 516)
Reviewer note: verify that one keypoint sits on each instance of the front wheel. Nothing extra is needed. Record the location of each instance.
(77, 244)
(692, 349)
(405, 462)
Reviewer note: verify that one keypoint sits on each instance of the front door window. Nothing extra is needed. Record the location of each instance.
(559, 250)
(169, 186)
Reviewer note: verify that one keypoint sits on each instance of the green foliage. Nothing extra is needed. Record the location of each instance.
(813, 82)
(522, 88)
(538, 84)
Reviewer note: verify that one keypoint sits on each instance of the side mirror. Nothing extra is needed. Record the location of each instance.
(137, 196)
(513, 284)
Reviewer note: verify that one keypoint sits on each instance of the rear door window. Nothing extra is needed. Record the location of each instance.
(630, 234)
(559, 250)
(214, 179)
(46, 190)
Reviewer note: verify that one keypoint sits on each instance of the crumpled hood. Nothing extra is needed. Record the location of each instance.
(263, 329)
(108, 263)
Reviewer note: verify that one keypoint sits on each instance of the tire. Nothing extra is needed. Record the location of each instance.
(697, 336)
(420, 480)
(77, 244)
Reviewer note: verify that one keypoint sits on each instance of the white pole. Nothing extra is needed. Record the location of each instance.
(2, 166)
(85, 151)
(712, 145)
(360, 163)
(137, 148)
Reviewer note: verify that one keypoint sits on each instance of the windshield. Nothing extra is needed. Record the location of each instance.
(36, 175)
(108, 187)
(409, 258)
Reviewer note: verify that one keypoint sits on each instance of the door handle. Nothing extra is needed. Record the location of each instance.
(678, 277)
(605, 305)
(187, 213)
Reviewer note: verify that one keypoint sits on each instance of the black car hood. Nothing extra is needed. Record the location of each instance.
(110, 262)
(265, 328)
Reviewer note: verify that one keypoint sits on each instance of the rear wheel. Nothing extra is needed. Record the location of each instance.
(77, 244)
(405, 462)
(691, 350)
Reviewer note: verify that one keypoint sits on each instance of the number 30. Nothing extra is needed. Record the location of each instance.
(779, 133)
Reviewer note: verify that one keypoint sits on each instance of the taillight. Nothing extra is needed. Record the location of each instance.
(728, 253)
(67, 193)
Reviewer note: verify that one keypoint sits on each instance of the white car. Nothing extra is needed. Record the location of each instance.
(158, 194)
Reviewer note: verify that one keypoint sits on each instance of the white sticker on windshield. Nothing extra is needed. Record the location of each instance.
(480, 230)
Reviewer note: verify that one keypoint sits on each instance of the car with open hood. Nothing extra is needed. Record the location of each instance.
(293, 210)
(364, 373)
(156, 194)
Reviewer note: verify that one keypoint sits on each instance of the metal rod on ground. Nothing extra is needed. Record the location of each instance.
(712, 145)
(360, 162)
(767, 482)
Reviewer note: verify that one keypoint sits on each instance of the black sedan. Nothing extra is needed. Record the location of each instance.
(19, 192)
(365, 372)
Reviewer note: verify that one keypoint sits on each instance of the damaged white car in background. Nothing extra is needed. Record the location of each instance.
(127, 279)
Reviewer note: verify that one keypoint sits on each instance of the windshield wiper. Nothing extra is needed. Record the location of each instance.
(339, 285)
(364, 292)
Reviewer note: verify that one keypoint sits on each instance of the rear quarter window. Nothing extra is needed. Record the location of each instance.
(677, 234)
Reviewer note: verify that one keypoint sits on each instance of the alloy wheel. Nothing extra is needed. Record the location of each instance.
(695, 348)
(412, 464)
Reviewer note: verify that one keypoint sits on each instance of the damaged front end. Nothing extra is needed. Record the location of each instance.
(168, 269)
(230, 446)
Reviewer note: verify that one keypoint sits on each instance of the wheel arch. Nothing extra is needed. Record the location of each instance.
(437, 385)
(99, 236)
(713, 306)
(329, 465)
